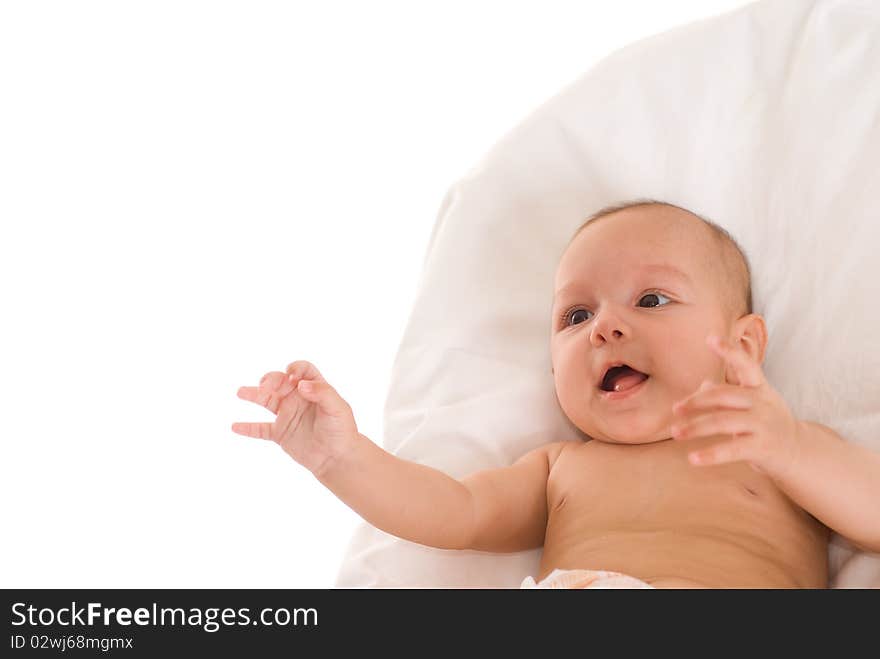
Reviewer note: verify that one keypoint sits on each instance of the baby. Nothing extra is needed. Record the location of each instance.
(695, 473)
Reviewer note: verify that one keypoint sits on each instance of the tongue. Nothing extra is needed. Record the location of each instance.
(627, 380)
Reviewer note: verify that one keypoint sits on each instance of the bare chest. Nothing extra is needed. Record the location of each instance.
(600, 486)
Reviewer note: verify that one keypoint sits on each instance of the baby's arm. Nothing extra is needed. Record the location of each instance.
(838, 482)
(493, 510)
(499, 510)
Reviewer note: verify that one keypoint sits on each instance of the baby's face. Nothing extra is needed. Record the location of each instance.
(636, 287)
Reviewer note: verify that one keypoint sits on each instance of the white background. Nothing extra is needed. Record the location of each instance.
(195, 193)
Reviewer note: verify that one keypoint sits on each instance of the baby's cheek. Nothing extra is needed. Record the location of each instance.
(690, 366)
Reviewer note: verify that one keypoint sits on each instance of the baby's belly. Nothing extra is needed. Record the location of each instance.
(686, 559)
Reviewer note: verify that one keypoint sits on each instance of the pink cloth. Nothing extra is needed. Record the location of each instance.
(585, 579)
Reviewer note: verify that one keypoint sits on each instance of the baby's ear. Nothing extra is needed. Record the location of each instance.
(750, 334)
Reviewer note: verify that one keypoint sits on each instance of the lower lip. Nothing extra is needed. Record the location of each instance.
(619, 395)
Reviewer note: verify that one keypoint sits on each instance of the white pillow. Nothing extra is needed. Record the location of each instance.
(765, 120)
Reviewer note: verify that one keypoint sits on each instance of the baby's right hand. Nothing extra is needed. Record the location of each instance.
(313, 423)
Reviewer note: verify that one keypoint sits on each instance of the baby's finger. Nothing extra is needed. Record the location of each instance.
(251, 429)
(303, 370)
(273, 380)
(714, 423)
(747, 371)
(261, 396)
(732, 450)
(714, 396)
(275, 385)
(248, 393)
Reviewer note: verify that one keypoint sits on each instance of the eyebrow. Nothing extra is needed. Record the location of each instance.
(652, 267)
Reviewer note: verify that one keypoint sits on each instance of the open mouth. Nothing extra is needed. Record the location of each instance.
(622, 377)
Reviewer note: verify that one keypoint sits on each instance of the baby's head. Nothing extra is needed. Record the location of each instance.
(643, 284)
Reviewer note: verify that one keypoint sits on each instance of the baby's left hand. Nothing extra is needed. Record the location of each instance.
(762, 429)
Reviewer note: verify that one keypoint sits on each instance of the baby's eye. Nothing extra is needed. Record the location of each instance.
(653, 299)
(569, 316)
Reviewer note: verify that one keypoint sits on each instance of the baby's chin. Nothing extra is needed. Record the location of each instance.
(628, 440)
(626, 435)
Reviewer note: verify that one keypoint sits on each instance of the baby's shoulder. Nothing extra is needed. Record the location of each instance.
(562, 450)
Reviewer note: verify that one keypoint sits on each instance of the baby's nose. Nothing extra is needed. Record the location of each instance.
(608, 328)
